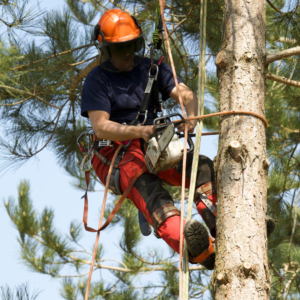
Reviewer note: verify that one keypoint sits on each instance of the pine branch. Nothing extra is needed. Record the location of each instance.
(277, 72)
(283, 80)
(289, 130)
(288, 285)
(186, 17)
(32, 95)
(98, 2)
(283, 54)
(120, 6)
(272, 5)
(82, 74)
(82, 62)
(17, 103)
(287, 40)
(52, 56)
(178, 25)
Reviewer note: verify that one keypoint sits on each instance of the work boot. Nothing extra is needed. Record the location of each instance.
(199, 244)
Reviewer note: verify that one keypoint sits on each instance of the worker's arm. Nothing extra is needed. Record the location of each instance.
(109, 130)
(190, 103)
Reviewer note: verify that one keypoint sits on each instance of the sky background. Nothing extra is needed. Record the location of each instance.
(50, 186)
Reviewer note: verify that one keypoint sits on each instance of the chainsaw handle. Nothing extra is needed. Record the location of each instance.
(161, 122)
(189, 139)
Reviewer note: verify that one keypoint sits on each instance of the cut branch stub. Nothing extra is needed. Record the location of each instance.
(247, 268)
(248, 55)
(221, 278)
(222, 59)
(266, 164)
(236, 150)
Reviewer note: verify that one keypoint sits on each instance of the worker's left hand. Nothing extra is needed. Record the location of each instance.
(190, 124)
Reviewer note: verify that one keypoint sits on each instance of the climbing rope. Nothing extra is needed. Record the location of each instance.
(162, 5)
(201, 84)
(100, 221)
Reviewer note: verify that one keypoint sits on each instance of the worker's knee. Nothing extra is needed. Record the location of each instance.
(205, 172)
(150, 188)
(163, 213)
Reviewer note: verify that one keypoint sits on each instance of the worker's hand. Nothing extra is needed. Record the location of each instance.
(146, 132)
(190, 124)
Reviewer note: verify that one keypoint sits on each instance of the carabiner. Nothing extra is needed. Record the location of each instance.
(85, 160)
(81, 144)
(157, 70)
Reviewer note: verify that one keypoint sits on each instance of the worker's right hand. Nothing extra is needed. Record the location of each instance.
(146, 132)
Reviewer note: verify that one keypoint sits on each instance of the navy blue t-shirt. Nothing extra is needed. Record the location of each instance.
(120, 94)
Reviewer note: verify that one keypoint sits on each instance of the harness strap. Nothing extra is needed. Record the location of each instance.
(155, 97)
(116, 208)
(103, 159)
(147, 94)
(202, 192)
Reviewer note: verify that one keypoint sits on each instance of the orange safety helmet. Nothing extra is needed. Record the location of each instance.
(117, 26)
(122, 44)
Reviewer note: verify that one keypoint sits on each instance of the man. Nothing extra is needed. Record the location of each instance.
(111, 96)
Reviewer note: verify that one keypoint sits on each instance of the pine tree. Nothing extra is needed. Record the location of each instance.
(40, 86)
(20, 292)
(241, 269)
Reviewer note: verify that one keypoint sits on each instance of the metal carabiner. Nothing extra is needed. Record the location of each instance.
(81, 144)
(85, 160)
(157, 70)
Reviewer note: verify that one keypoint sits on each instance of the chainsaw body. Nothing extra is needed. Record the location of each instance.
(165, 149)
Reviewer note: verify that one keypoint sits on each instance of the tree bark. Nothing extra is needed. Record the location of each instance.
(241, 269)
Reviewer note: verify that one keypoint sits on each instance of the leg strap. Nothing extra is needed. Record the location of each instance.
(202, 192)
(208, 189)
(114, 184)
(163, 213)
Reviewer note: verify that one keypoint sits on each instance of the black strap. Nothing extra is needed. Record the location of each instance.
(147, 94)
(155, 97)
(151, 89)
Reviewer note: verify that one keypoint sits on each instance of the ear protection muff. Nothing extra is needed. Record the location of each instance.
(100, 49)
(96, 32)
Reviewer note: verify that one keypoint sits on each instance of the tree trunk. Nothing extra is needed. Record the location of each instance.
(241, 269)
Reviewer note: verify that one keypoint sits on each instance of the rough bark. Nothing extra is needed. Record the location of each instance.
(241, 269)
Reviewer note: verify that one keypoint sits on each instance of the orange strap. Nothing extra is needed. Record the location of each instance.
(121, 200)
(116, 208)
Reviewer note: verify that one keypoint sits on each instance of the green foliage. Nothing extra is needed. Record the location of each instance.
(20, 292)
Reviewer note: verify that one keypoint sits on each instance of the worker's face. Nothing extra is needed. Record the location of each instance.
(122, 55)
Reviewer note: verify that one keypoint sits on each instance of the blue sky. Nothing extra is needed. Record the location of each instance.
(50, 186)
